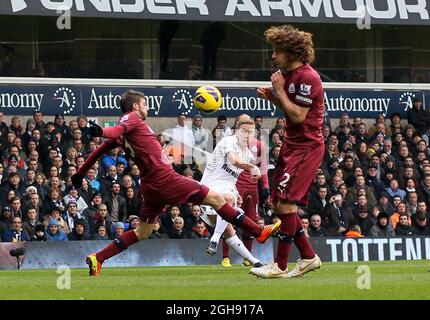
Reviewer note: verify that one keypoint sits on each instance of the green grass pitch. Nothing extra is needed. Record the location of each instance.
(388, 280)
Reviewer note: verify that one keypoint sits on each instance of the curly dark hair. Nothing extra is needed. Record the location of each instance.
(296, 44)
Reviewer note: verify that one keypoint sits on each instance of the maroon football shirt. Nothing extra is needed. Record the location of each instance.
(304, 88)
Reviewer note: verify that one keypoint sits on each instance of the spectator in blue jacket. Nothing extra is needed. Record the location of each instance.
(53, 232)
(112, 158)
(16, 233)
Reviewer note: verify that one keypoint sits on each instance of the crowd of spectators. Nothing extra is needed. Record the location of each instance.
(373, 181)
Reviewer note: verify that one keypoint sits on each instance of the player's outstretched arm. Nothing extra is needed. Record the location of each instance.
(111, 132)
(91, 160)
(235, 159)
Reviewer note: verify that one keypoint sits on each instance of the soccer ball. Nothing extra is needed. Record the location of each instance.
(207, 99)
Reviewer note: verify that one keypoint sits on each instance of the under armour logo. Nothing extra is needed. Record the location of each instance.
(18, 5)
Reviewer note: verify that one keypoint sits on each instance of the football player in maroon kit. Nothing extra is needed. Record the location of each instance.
(297, 91)
(160, 184)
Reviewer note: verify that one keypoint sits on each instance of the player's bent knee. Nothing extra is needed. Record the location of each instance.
(214, 199)
(144, 231)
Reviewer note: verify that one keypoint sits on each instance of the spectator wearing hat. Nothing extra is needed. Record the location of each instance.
(5, 219)
(133, 222)
(119, 229)
(421, 226)
(55, 214)
(382, 228)
(364, 220)
(74, 196)
(384, 204)
(418, 117)
(93, 207)
(373, 181)
(12, 161)
(201, 135)
(403, 227)
(16, 233)
(53, 232)
(79, 232)
(39, 233)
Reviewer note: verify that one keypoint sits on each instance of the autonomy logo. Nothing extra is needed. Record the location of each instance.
(185, 99)
(18, 5)
(67, 98)
(406, 99)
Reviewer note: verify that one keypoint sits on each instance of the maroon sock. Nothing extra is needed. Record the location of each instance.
(247, 240)
(302, 242)
(118, 245)
(229, 214)
(248, 244)
(225, 249)
(286, 234)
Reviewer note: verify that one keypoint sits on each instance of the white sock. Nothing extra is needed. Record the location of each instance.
(237, 245)
(220, 227)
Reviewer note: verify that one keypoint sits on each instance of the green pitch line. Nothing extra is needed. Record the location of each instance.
(388, 280)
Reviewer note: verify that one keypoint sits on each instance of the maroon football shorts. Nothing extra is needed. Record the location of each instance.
(250, 201)
(295, 172)
(176, 190)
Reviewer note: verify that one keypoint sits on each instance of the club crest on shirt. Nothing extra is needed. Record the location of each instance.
(124, 118)
(305, 89)
(291, 88)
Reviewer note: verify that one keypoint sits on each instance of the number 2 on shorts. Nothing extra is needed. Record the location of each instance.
(283, 183)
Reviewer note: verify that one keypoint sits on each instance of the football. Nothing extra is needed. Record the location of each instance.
(207, 99)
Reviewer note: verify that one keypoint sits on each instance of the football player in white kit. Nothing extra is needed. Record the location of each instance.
(230, 157)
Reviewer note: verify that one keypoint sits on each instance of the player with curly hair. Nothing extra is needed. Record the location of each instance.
(297, 91)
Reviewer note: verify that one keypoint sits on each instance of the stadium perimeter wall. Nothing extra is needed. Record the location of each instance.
(167, 252)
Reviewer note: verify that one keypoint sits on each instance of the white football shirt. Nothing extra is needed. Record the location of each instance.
(219, 170)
